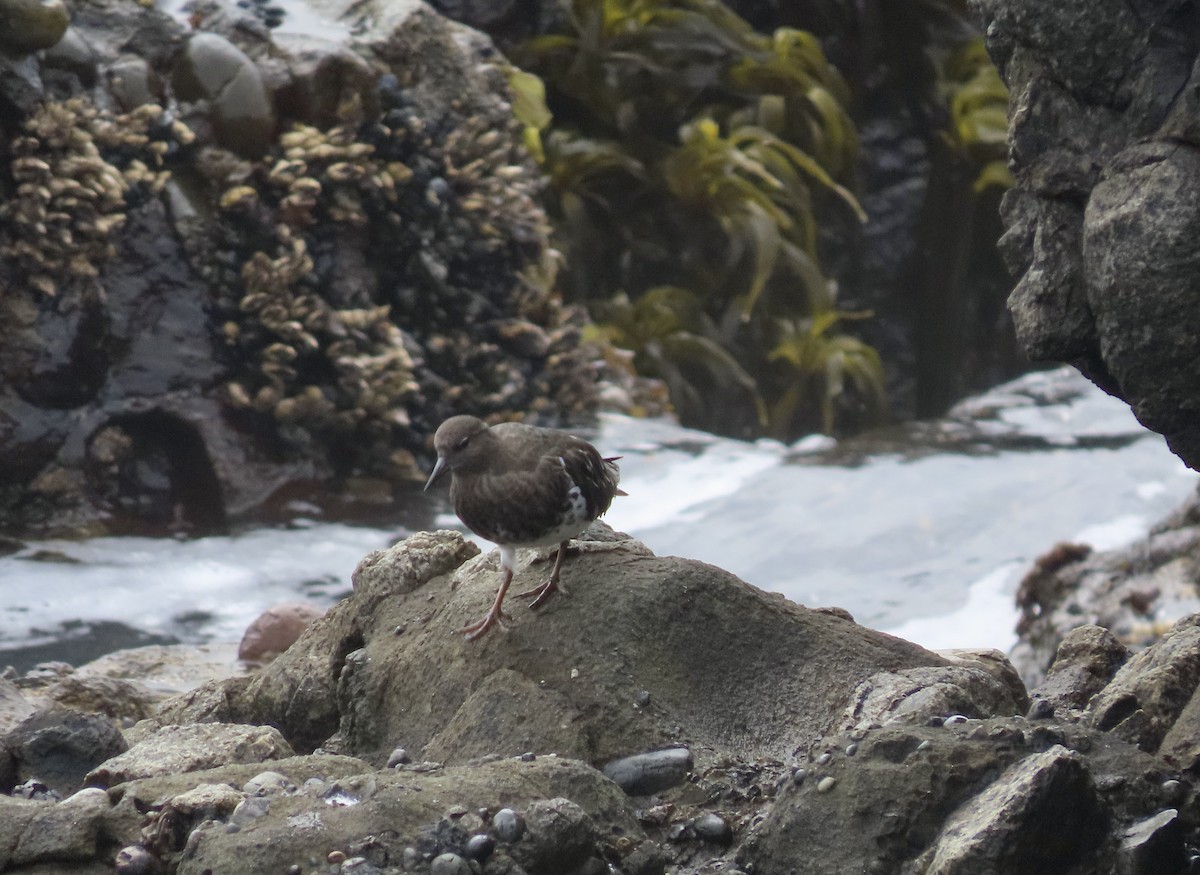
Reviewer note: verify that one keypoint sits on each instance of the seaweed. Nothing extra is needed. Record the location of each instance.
(693, 162)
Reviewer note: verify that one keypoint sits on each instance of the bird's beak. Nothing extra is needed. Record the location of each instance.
(438, 470)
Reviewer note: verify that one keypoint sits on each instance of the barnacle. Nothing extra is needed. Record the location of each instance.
(75, 167)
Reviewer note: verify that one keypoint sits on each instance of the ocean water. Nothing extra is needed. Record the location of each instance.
(923, 533)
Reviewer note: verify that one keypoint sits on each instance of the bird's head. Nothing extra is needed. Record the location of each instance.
(460, 443)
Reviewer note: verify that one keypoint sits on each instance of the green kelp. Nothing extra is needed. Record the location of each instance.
(693, 164)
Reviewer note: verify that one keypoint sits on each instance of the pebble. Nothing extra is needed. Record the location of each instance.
(955, 720)
(527, 757)
(359, 866)
(335, 857)
(410, 859)
(1173, 791)
(652, 772)
(851, 749)
(135, 860)
(642, 698)
(798, 775)
(824, 759)
(250, 809)
(449, 864)
(1041, 709)
(714, 828)
(826, 784)
(265, 783)
(479, 847)
(925, 744)
(508, 825)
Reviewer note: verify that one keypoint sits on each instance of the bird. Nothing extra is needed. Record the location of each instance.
(520, 485)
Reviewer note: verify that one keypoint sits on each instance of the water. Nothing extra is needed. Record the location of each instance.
(923, 532)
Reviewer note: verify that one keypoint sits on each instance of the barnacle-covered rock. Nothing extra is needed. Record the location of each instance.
(266, 262)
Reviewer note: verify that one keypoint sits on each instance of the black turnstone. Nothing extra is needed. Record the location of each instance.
(522, 486)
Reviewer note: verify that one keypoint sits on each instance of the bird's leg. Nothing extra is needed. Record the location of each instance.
(495, 613)
(541, 593)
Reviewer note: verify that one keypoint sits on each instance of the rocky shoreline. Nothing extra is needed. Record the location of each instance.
(666, 717)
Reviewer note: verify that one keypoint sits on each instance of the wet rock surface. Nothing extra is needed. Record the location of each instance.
(1104, 139)
(665, 717)
(1134, 594)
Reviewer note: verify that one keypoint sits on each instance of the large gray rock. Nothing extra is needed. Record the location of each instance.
(1041, 815)
(998, 796)
(1104, 127)
(735, 730)
(58, 747)
(645, 651)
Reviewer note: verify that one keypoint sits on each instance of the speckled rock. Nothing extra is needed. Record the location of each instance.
(958, 795)
(177, 749)
(59, 747)
(741, 669)
(1104, 127)
(1043, 813)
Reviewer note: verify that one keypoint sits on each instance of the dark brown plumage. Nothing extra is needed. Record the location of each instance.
(522, 486)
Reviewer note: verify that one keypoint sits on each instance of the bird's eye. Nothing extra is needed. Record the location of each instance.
(462, 445)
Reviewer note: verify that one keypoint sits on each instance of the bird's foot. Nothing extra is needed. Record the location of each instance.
(480, 627)
(541, 593)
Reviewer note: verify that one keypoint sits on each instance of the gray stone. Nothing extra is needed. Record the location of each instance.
(561, 837)
(176, 749)
(646, 773)
(1152, 845)
(1104, 122)
(1041, 815)
(59, 747)
(748, 670)
(1087, 659)
(1151, 690)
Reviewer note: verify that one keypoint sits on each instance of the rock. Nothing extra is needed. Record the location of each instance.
(14, 707)
(275, 630)
(503, 698)
(214, 70)
(1153, 845)
(1103, 152)
(67, 832)
(1042, 814)
(646, 773)
(915, 695)
(178, 749)
(29, 25)
(1135, 592)
(1150, 692)
(1086, 661)
(395, 807)
(744, 653)
(160, 671)
(508, 825)
(957, 795)
(561, 837)
(60, 747)
(241, 327)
